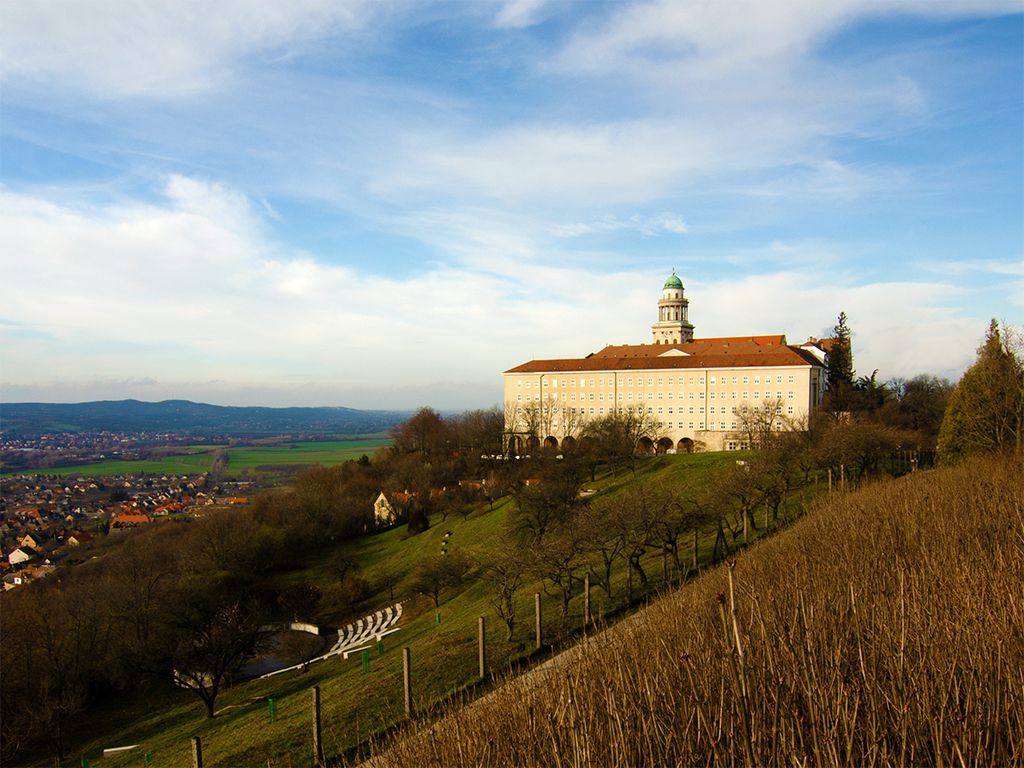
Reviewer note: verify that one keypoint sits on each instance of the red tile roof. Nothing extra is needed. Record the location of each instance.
(708, 353)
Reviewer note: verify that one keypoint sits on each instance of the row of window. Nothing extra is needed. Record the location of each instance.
(628, 396)
(661, 412)
(553, 382)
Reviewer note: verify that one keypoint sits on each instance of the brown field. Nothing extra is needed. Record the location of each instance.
(885, 628)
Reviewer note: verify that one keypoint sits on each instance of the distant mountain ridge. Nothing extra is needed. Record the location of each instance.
(185, 416)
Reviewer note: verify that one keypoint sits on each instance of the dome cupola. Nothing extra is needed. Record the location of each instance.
(672, 327)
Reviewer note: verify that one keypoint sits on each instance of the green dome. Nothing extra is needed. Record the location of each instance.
(673, 282)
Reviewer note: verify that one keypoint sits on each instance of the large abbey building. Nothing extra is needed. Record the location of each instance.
(691, 390)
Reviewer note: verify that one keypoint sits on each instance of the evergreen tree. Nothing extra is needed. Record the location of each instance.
(986, 410)
(839, 367)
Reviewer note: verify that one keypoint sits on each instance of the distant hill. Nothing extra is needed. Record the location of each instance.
(184, 416)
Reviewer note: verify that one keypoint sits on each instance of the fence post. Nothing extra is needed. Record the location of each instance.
(197, 752)
(318, 745)
(537, 625)
(482, 652)
(830, 479)
(586, 600)
(407, 680)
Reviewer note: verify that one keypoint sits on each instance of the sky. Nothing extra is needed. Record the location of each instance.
(386, 204)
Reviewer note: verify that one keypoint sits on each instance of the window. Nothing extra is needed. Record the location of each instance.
(545, 385)
(629, 381)
(733, 395)
(701, 395)
(691, 409)
(744, 395)
(661, 395)
(734, 379)
(790, 410)
(591, 382)
(757, 379)
(790, 379)
(712, 379)
(650, 395)
(519, 384)
(650, 382)
(702, 409)
(746, 379)
(670, 409)
(670, 381)
(691, 395)
(591, 411)
(791, 395)
(573, 398)
(712, 395)
(660, 382)
(519, 397)
(660, 410)
(629, 396)
(601, 396)
(756, 395)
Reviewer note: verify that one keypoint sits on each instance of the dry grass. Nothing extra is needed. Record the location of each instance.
(886, 628)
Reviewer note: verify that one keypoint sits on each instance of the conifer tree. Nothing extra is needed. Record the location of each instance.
(986, 410)
(839, 367)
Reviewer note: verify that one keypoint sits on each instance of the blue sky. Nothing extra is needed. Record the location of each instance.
(385, 204)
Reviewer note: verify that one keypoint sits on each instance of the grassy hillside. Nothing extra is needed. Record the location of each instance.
(357, 705)
(884, 628)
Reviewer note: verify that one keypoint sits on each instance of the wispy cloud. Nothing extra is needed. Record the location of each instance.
(159, 49)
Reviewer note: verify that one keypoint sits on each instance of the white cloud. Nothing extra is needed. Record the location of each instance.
(158, 48)
(191, 293)
(645, 225)
(514, 14)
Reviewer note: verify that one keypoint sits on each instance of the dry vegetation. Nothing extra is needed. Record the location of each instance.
(884, 628)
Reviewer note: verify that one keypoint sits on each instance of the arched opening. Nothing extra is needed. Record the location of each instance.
(532, 443)
(665, 445)
(586, 443)
(645, 446)
(685, 445)
(568, 443)
(515, 445)
(550, 442)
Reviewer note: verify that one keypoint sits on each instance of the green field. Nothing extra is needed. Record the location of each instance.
(357, 705)
(199, 458)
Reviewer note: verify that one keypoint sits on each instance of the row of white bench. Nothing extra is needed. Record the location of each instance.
(369, 628)
(354, 637)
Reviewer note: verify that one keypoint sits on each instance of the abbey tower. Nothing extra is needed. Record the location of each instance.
(672, 326)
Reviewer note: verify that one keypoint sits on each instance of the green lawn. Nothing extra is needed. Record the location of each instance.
(358, 705)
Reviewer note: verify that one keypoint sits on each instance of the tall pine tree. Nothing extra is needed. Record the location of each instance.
(839, 368)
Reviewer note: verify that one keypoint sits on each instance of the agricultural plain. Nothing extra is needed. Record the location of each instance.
(240, 459)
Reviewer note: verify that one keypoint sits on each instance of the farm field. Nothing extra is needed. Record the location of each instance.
(199, 458)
